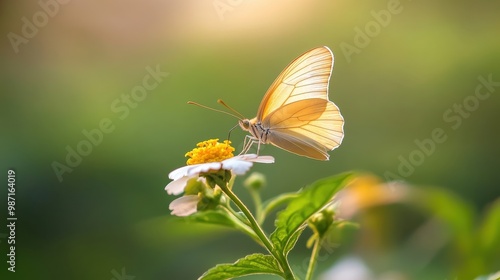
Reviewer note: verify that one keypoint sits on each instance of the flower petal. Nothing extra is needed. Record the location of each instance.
(242, 163)
(178, 173)
(193, 170)
(184, 206)
(260, 159)
(177, 186)
(238, 166)
(205, 167)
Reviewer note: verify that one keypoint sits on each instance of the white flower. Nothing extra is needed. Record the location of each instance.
(239, 165)
(187, 204)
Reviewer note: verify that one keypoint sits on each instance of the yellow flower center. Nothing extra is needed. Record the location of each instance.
(210, 151)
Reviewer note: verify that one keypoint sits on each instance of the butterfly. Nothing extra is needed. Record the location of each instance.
(296, 114)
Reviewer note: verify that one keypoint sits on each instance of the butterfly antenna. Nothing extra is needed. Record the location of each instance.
(229, 133)
(231, 109)
(238, 116)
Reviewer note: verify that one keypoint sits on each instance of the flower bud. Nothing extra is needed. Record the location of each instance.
(255, 181)
(321, 222)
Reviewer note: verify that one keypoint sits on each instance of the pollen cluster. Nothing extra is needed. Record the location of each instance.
(210, 151)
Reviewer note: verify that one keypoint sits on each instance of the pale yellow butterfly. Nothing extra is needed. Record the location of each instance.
(295, 114)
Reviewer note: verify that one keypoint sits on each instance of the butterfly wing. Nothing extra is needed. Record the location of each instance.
(296, 109)
(305, 77)
(310, 128)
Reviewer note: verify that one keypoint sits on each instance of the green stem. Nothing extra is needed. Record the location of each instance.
(260, 233)
(237, 216)
(313, 260)
(242, 225)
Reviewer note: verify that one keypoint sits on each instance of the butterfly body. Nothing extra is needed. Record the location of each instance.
(296, 114)
(256, 129)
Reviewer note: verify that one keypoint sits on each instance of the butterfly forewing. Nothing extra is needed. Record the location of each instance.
(306, 77)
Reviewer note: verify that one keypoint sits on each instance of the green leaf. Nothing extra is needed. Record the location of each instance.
(489, 232)
(224, 219)
(456, 214)
(251, 264)
(293, 239)
(454, 211)
(458, 218)
(273, 203)
(494, 276)
(292, 220)
(212, 217)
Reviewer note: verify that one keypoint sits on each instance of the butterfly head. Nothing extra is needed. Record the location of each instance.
(247, 124)
(244, 124)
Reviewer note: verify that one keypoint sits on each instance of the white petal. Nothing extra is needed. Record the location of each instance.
(244, 157)
(255, 158)
(238, 166)
(178, 173)
(263, 159)
(242, 163)
(184, 206)
(205, 167)
(177, 186)
(193, 170)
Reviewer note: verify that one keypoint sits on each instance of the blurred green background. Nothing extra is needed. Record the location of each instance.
(61, 74)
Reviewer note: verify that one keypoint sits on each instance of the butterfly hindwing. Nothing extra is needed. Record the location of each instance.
(308, 128)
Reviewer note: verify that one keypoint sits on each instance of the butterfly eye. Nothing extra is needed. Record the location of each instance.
(244, 124)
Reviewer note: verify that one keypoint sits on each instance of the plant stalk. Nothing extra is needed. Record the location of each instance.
(313, 260)
(260, 233)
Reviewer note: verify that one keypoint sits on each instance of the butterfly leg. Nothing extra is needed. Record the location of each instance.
(247, 144)
(258, 145)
